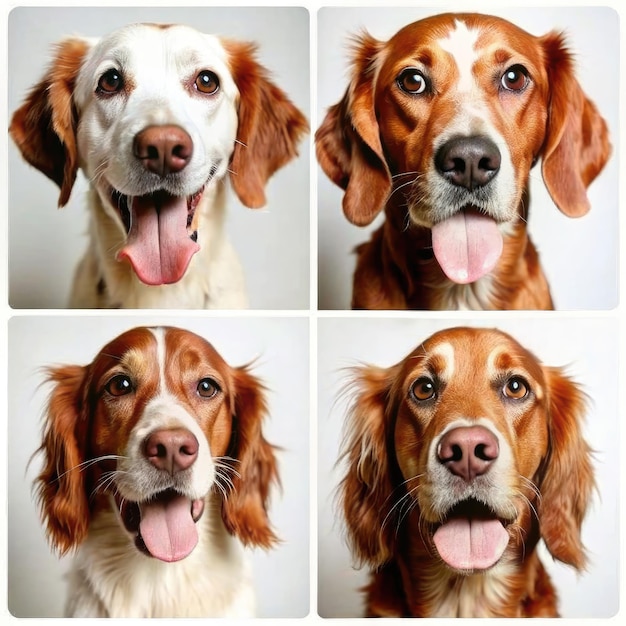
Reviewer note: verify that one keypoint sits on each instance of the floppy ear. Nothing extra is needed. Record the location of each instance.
(60, 486)
(366, 489)
(348, 143)
(44, 127)
(577, 144)
(270, 126)
(244, 511)
(567, 480)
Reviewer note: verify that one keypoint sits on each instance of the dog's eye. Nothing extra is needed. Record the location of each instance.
(516, 388)
(412, 81)
(207, 388)
(207, 82)
(110, 82)
(515, 78)
(423, 389)
(119, 385)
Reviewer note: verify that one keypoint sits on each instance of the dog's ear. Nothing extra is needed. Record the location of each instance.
(576, 146)
(244, 510)
(366, 489)
(567, 479)
(269, 129)
(44, 127)
(60, 486)
(348, 145)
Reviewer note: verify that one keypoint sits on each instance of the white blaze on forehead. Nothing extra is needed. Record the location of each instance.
(159, 335)
(460, 44)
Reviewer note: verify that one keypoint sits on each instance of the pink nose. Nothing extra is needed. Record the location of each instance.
(172, 450)
(468, 451)
(163, 149)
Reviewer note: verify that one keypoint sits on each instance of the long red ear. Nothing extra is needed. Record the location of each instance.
(44, 127)
(244, 511)
(61, 484)
(577, 143)
(366, 489)
(567, 480)
(270, 126)
(348, 145)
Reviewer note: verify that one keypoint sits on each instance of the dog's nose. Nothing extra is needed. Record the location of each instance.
(468, 451)
(468, 162)
(163, 149)
(172, 450)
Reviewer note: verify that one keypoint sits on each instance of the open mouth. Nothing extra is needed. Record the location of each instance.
(161, 238)
(164, 526)
(467, 245)
(472, 537)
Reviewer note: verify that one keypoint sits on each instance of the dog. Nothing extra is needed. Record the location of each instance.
(440, 127)
(158, 118)
(458, 460)
(155, 472)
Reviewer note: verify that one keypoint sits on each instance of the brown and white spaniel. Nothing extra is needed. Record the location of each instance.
(439, 128)
(155, 472)
(459, 460)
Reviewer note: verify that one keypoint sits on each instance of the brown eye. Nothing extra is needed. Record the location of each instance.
(516, 388)
(207, 388)
(110, 82)
(515, 78)
(119, 385)
(207, 82)
(412, 81)
(423, 389)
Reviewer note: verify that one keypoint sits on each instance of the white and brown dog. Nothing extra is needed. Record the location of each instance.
(157, 117)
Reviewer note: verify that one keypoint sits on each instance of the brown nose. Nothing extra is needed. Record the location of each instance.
(171, 450)
(163, 149)
(468, 451)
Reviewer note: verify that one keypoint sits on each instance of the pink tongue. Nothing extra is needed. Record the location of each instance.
(159, 247)
(471, 544)
(167, 528)
(467, 246)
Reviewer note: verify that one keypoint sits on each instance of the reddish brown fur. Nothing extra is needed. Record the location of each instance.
(270, 126)
(81, 424)
(372, 135)
(386, 449)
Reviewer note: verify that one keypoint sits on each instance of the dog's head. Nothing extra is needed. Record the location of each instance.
(447, 118)
(155, 115)
(157, 427)
(472, 445)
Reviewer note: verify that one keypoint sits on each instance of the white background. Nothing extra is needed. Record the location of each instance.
(35, 576)
(579, 256)
(46, 243)
(586, 347)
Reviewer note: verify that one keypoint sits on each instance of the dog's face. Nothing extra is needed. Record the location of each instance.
(442, 124)
(157, 427)
(471, 448)
(156, 116)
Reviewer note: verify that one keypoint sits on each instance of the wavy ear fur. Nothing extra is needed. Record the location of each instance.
(577, 142)
(244, 511)
(567, 480)
(348, 144)
(270, 126)
(44, 127)
(60, 486)
(366, 489)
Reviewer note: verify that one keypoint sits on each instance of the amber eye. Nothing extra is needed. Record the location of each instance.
(423, 389)
(207, 388)
(516, 388)
(119, 385)
(412, 81)
(110, 82)
(515, 78)
(207, 82)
